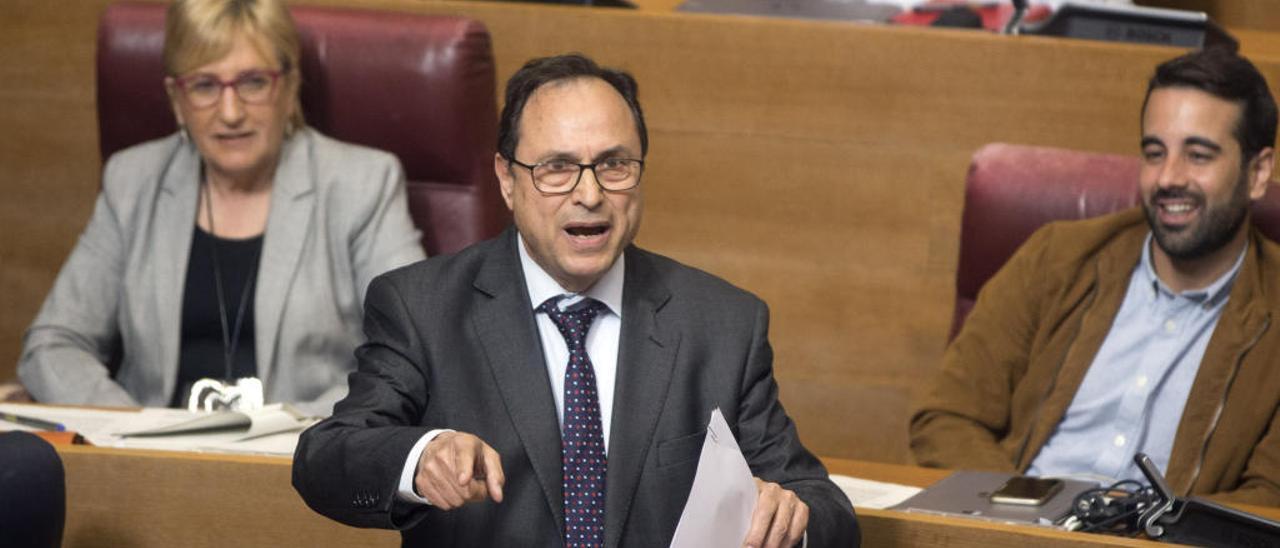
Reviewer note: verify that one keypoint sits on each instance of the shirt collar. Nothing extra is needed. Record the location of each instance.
(1220, 287)
(607, 290)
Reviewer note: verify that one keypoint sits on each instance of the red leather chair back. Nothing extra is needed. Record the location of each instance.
(1012, 190)
(421, 87)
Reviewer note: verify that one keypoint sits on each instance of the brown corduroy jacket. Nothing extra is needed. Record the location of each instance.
(1011, 373)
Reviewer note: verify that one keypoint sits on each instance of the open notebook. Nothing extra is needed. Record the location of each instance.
(272, 430)
(271, 419)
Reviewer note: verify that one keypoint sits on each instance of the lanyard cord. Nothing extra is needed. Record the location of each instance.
(230, 340)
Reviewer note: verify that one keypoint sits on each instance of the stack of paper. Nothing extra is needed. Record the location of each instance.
(878, 495)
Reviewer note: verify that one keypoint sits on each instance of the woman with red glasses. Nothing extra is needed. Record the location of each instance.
(224, 265)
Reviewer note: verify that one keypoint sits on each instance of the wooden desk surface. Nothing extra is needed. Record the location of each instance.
(138, 498)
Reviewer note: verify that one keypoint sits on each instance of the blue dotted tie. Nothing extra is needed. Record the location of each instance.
(582, 441)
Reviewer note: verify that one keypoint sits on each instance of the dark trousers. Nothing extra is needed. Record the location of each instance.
(33, 492)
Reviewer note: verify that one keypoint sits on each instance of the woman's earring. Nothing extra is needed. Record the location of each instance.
(182, 134)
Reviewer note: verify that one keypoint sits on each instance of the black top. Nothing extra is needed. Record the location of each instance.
(202, 354)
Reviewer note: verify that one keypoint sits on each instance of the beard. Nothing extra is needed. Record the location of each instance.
(1217, 225)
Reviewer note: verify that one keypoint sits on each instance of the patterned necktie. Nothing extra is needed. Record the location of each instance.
(582, 440)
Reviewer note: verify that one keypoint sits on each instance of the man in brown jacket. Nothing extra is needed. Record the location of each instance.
(1151, 330)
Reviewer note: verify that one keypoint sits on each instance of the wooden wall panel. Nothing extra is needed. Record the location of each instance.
(819, 165)
(204, 500)
(1251, 14)
(49, 169)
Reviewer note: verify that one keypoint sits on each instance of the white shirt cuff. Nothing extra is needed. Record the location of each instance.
(405, 491)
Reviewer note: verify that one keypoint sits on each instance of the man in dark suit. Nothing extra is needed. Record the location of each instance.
(554, 385)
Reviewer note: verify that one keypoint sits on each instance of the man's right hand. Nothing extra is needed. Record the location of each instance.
(457, 468)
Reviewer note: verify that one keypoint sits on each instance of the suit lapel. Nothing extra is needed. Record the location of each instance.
(288, 224)
(504, 324)
(175, 217)
(646, 358)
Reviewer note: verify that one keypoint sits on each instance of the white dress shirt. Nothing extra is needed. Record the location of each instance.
(602, 348)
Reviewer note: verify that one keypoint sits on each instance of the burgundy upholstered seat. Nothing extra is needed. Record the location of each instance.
(1012, 190)
(419, 86)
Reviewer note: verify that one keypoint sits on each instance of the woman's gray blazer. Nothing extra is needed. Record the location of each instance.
(338, 218)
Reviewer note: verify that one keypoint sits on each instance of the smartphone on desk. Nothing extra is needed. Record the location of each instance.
(1026, 491)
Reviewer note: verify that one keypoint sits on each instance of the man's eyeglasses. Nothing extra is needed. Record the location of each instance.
(253, 87)
(562, 176)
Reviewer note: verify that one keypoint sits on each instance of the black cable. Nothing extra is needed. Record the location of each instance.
(1113, 509)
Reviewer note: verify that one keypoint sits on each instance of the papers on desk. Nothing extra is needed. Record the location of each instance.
(272, 430)
(873, 494)
(718, 512)
(270, 419)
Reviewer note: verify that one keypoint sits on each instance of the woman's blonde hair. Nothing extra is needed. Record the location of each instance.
(198, 32)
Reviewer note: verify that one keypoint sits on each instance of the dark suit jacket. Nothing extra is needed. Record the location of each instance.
(452, 343)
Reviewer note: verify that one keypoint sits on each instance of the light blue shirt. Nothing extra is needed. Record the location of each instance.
(1132, 397)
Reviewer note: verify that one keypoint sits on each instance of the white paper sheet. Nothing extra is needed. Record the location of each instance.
(873, 494)
(75, 419)
(271, 419)
(718, 512)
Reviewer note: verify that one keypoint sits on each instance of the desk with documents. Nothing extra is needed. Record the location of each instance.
(142, 498)
(272, 430)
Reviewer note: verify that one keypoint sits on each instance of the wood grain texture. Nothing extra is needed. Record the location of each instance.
(819, 165)
(163, 499)
(1251, 14)
(49, 169)
(142, 499)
